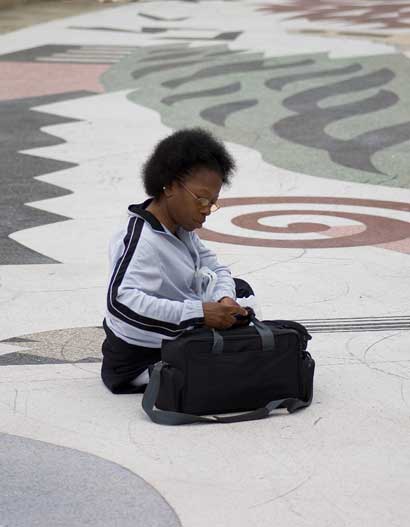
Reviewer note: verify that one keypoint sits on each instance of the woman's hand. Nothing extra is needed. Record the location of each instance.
(227, 301)
(221, 315)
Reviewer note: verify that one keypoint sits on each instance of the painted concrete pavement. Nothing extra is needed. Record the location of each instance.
(312, 100)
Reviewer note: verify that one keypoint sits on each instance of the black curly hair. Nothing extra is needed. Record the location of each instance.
(176, 155)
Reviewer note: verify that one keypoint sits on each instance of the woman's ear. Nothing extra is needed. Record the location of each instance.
(169, 190)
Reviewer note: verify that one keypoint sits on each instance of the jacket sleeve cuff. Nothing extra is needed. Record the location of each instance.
(193, 313)
(220, 293)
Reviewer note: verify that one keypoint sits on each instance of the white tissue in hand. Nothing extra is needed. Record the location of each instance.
(204, 283)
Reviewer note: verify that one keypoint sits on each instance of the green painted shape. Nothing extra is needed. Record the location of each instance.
(252, 127)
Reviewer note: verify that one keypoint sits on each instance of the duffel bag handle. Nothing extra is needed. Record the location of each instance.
(166, 417)
(264, 331)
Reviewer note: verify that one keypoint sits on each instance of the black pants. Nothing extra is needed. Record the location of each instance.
(122, 362)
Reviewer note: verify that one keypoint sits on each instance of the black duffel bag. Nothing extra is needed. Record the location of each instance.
(254, 369)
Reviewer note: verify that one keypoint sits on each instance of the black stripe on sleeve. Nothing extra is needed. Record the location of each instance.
(122, 311)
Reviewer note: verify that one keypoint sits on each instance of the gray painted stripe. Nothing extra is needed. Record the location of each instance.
(220, 113)
(103, 28)
(332, 326)
(277, 83)
(359, 324)
(94, 51)
(137, 74)
(232, 35)
(92, 54)
(222, 53)
(353, 319)
(176, 55)
(246, 66)
(355, 330)
(169, 49)
(153, 29)
(77, 60)
(98, 47)
(33, 54)
(153, 17)
(88, 54)
(41, 53)
(223, 90)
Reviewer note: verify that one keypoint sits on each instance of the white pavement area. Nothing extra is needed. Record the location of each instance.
(342, 462)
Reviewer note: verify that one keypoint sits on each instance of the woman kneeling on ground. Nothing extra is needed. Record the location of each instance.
(163, 278)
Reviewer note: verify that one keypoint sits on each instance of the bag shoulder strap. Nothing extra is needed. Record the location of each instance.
(166, 417)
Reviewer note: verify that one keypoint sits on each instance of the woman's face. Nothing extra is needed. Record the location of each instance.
(184, 207)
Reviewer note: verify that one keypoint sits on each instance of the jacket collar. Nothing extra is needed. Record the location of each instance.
(139, 209)
(183, 235)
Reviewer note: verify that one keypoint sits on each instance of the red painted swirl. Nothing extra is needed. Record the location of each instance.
(374, 229)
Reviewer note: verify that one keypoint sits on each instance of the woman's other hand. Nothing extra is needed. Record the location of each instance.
(221, 315)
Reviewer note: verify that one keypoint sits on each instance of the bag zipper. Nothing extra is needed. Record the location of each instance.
(233, 337)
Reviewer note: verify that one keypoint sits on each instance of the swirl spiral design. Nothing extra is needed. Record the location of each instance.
(345, 228)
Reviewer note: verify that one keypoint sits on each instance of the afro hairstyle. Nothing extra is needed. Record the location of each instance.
(175, 156)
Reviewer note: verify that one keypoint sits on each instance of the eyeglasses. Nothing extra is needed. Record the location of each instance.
(204, 203)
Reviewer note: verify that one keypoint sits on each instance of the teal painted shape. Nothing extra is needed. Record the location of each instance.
(346, 119)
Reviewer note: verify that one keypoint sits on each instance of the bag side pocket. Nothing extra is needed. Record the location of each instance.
(170, 393)
(307, 370)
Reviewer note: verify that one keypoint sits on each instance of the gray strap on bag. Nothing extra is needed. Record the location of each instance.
(166, 417)
(264, 331)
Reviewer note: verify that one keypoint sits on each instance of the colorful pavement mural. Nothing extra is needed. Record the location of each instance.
(392, 15)
(313, 100)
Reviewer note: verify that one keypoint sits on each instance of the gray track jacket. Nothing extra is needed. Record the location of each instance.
(151, 294)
